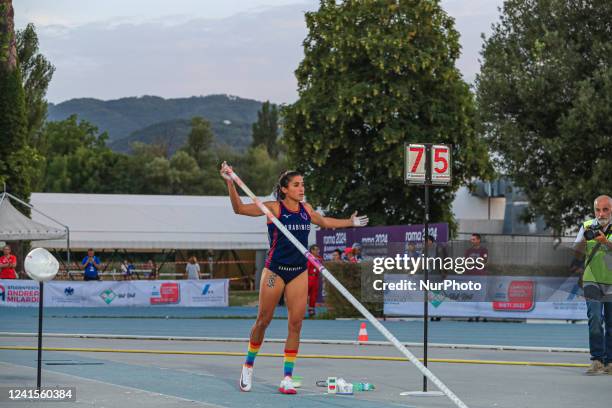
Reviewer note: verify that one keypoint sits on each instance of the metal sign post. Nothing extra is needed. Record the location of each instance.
(428, 165)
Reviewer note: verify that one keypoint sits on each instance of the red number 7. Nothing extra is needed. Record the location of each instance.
(419, 151)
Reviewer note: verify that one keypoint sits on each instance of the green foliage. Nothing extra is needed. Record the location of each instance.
(173, 134)
(377, 75)
(265, 130)
(200, 138)
(259, 171)
(544, 96)
(37, 72)
(18, 162)
(77, 158)
(79, 161)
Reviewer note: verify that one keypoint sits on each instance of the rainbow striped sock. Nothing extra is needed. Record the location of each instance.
(251, 353)
(290, 356)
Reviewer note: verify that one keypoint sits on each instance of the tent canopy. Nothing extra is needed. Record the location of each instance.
(151, 222)
(14, 226)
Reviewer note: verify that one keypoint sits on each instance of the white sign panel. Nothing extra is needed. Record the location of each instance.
(440, 164)
(415, 164)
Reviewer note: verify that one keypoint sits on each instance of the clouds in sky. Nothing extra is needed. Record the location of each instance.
(251, 49)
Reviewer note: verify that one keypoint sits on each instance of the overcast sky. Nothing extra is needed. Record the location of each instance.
(109, 49)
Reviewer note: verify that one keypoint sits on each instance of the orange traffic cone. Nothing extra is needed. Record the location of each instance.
(363, 333)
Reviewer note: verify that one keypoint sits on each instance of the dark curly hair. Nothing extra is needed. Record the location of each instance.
(283, 181)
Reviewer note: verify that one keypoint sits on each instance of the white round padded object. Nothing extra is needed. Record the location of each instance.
(40, 265)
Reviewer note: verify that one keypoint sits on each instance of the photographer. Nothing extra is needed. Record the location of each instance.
(594, 240)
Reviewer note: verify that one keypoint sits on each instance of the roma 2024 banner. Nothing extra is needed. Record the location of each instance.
(188, 293)
(378, 241)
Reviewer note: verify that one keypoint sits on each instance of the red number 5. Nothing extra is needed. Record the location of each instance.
(440, 159)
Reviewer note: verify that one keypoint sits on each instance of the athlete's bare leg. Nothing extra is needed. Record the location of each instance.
(296, 294)
(270, 290)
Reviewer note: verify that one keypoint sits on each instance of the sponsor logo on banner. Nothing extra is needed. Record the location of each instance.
(211, 293)
(519, 297)
(68, 295)
(108, 296)
(23, 294)
(166, 293)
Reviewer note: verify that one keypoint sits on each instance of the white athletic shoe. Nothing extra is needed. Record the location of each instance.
(286, 386)
(246, 378)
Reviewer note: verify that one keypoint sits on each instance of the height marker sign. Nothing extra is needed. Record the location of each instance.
(427, 163)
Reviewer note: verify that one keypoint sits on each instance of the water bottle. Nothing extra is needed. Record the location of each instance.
(363, 386)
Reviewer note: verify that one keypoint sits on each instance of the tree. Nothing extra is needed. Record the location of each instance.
(259, 171)
(544, 94)
(376, 75)
(78, 160)
(265, 130)
(200, 138)
(37, 72)
(17, 164)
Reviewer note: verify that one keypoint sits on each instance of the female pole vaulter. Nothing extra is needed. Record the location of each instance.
(285, 267)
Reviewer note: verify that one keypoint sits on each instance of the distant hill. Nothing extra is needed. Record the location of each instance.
(174, 133)
(154, 119)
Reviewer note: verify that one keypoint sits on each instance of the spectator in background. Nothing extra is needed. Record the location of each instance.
(411, 250)
(152, 268)
(349, 255)
(8, 263)
(336, 256)
(193, 269)
(357, 252)
(91, 263)
(477, 251)
(128, 270)
(313, 281)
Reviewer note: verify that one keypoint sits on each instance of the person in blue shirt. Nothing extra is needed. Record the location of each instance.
(91, 263)
(411, 250)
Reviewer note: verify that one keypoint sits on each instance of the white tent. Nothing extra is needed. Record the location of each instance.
(14, 226)
(151, 222)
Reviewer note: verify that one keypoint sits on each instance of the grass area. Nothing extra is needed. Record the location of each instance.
(243, 297)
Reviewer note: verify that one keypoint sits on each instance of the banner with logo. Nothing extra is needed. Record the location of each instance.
(19, 293)
(213, 292)
(506, 297)
(188, 293)
(378, 241)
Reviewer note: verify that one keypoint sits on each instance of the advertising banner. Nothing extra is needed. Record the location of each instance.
(503, 297)
(378, 241)
(188, 293)
(19, 293)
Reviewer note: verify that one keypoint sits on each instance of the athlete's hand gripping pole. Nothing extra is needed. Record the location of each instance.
(382, 329)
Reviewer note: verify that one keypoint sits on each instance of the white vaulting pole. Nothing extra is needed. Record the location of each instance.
(382, 329)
